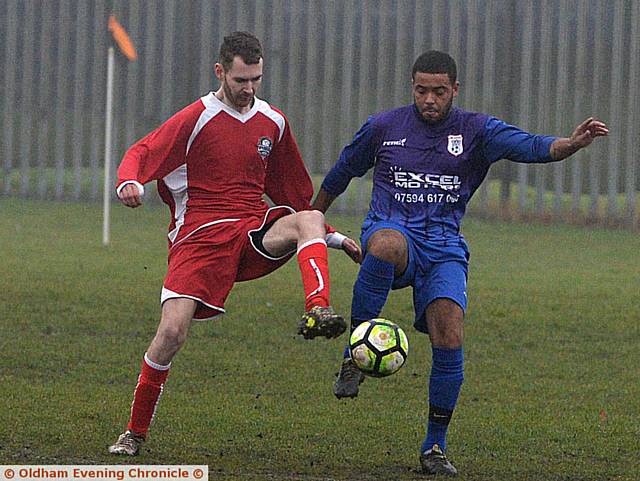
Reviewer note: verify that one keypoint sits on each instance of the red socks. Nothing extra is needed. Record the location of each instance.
(314, 266)
(147, 395)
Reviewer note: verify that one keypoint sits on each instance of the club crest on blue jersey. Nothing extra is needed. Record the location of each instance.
(455, 145)
(265, 144)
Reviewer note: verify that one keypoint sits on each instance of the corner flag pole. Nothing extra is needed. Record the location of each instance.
(126, 47)
(108, 129)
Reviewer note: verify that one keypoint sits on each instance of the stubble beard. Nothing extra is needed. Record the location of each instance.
(235, 99)
(443, 114)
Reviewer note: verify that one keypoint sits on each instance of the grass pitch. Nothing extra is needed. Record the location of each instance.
(552, 359)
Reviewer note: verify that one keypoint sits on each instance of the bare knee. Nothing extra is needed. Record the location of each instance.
(443, 336)
(309, 218)
(171, 337)
(390, 246)
(293, 230)
(445, 321)
(173, 329)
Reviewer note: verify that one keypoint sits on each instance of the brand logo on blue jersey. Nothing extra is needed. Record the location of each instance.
(419, 180)
(397, 143)
(455, 146)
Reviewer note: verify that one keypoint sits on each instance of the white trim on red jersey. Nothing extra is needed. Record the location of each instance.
(277, 117)
(214, 104)
(177, 181)
(202, 227)
(177, 184)
(210, 111)
(134, 182)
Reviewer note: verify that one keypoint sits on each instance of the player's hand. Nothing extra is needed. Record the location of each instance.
(587, 131)
(352, 249)
(130, 196)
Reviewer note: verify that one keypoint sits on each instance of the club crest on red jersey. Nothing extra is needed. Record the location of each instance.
(455, 145)
(265, 144)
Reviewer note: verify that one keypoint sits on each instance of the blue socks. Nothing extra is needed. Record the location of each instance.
(370, 291)
(447, 374)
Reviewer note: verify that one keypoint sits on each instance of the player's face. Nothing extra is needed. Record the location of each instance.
(433, 94)
(240, 83)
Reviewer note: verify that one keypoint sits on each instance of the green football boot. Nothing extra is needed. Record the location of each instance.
(321, 321)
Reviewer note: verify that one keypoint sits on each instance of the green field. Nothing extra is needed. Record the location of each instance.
(552, 389)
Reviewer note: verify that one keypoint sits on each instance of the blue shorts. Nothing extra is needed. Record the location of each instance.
(436, 269)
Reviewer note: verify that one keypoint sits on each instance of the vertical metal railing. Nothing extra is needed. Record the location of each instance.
(581, 69)
(525, 106)
(329, 64)
(10, 106)
(633, 120)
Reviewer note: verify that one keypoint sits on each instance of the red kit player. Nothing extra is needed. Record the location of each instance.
(214, 161)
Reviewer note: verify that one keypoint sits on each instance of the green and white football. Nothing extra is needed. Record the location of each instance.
(379, 347)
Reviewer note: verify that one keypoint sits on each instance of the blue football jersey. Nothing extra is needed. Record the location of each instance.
(424, 175)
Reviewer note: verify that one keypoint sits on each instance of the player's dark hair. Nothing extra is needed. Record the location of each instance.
(242, 44)
(434, 61)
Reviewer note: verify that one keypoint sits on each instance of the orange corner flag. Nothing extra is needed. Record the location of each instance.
(122, 39)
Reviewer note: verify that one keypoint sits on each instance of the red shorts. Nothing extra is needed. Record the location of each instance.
(205, 264)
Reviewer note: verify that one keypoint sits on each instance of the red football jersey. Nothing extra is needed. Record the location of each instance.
(214, 164)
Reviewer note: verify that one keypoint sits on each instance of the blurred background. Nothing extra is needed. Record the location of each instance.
(543, 65)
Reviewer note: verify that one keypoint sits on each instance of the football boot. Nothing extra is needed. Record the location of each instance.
(128, 444)
(433, 461)
(348, 380)
(321, 321)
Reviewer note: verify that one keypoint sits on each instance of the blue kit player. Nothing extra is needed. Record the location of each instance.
(428, 159)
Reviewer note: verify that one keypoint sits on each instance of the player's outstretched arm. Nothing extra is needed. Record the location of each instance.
(582, 136)
(130, 195)
(339, 241)
(323, 201)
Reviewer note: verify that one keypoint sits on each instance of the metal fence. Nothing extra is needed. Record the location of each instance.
(543, 65)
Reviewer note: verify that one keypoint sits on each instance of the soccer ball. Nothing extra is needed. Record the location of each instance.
(378, 347)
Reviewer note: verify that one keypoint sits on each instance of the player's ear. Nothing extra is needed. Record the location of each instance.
(456, 87)
(219, 71)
